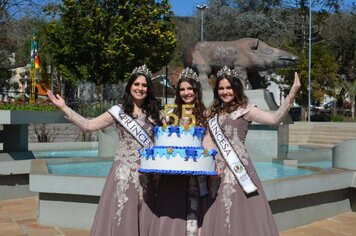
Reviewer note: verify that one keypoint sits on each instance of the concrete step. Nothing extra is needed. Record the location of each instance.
(321, 134)
(320, 124)
(316, 141)
(293, 127)
(319, 145)
(320, 138)
(326, 132)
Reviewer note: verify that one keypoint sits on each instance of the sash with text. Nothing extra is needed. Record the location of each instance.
(131, 126)
(231, 157)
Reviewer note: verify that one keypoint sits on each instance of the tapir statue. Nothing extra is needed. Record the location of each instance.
(247, 56)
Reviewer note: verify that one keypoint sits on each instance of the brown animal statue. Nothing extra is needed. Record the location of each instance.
(247, 56)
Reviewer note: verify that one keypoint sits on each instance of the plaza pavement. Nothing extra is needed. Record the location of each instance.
(18, 217)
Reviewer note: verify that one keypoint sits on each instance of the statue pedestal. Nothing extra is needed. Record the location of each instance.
(266, 142)
(207, 90)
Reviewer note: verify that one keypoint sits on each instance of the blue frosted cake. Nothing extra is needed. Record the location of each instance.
(178, 150)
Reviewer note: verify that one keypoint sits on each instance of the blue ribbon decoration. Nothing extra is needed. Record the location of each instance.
(213, 152)
(156, 130)
(199, 132)
(191, 153)
(174, 129)
(150, 153)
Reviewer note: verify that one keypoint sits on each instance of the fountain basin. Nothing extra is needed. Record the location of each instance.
(71, 201)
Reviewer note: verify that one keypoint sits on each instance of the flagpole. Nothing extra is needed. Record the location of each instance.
(33, 86)
(35, 64)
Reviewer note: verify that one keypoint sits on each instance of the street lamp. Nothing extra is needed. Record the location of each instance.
(202, 8)
(309, 60)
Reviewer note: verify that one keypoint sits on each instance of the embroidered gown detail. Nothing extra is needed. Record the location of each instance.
(127, 199)
(229, 210)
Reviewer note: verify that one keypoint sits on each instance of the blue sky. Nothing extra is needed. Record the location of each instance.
(187, 7)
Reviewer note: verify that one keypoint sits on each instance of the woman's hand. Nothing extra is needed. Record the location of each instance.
(219, 170)
(295, 87)
(57, 100)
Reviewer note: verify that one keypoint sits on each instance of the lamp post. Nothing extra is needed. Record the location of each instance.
(202, 8)
(309, 60)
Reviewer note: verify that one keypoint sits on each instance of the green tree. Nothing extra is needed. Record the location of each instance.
(232, 20)
(324, 77)
(350, 87)
(18, 18)
(102, 41)
(186, 29)
(339, 32)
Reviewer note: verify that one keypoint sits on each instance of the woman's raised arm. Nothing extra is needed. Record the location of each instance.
(83, 123)
(274, 118)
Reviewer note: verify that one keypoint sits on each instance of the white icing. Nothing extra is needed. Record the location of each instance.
(185, 140)
(179, 161)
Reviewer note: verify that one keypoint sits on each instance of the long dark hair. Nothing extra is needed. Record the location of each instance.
(240, 97)
(150, 105)
(199, 106)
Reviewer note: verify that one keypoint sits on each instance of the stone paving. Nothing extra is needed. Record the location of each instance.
(340, 225)
(18, 217)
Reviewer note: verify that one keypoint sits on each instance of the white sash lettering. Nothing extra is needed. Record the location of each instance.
(231, 157)
(131, 126)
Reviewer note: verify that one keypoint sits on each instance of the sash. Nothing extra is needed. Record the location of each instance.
(231, 157)
(131, 126)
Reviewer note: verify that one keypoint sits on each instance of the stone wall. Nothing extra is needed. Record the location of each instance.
(58, 133)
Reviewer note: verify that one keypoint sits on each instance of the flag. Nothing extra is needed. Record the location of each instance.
(35, 58)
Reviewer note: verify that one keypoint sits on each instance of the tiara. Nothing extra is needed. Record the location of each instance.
(188, 73)
(143, 70)
(225, 71)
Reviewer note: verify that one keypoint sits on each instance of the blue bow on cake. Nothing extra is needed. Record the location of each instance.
(199, 132)
(191, 153)
(149, 153)
(173, 129)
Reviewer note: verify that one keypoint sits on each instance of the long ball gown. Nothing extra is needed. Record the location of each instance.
(229, 210)
(127, 200)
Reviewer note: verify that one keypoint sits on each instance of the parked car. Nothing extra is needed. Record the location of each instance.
(331, 104)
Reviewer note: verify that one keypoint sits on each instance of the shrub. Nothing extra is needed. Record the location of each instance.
(28, 107)
(337, 118)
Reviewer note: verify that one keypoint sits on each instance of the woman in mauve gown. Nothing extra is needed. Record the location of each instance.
(128, 197)
(230, 210)
(179, 200)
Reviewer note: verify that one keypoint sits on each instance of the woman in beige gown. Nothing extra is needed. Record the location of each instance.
(128, 197)
(231, 211)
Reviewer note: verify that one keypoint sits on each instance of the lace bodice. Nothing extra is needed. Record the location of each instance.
(128, 143)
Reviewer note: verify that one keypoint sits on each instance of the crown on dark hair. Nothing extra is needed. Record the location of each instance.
(188, 73)
(143, 70)
(226, 71)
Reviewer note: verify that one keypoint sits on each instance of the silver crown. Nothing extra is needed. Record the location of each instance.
(143, 70)
(225, 71)
(188, 73)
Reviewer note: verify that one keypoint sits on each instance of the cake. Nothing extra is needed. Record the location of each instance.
(178, 150)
